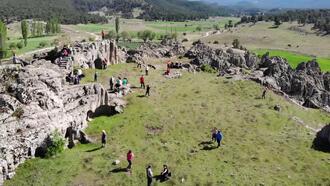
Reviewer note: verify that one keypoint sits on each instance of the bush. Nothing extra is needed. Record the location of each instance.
(18, 113)
(208, 68)
(216, 42)
(20, 45)
(42, 44)
(12, 45)
(56, 145)
(91, 39)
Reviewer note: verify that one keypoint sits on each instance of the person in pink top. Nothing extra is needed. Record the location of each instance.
(130, 157)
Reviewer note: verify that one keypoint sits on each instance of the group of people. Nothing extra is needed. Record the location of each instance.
(117, 85)
(163, 176)
(216, 136)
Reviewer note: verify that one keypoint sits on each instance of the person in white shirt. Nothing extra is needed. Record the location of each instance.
(149, 175)
(147, 70)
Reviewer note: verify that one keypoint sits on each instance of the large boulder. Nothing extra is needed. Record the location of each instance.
(322, 139)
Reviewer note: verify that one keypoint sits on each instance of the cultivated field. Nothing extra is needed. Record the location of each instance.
(261, 146)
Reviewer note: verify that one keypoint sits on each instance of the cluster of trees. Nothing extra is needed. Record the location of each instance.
(64, 10)
(319, 18)
(76, 11)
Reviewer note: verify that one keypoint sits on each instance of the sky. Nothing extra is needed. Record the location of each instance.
(279, 3)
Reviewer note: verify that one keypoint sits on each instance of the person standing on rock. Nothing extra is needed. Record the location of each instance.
(130, 157)
(149, 175)
(103, 35)
(147, 70)
(142, 82)
(219, 138)
(148, 91)
(104, 138)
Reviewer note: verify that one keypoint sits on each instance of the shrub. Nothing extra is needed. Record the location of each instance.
(56, 144)
(20, 45)
(208, 68)
(18, 113)
(91, 39)
(43, 44)
(216, 42)
(185, 40)
(12, 45)
(198, 28)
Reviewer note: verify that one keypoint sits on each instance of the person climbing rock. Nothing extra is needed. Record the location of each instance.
(219, 138)
(149, 175)
(104, 138)
(264, 92)
(147, 70)
(214, 134)
(130, 157)
(142, 82)
(148, 91)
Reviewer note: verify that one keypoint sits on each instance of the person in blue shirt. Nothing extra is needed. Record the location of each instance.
(219, 138)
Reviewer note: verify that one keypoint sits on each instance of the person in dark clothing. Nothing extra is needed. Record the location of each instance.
(95, 77)
(103, 35)
(164, 175)
(148, 91)
(219, 138)
(104, 138)
(149, 175)
(264, 93)
(214, 134)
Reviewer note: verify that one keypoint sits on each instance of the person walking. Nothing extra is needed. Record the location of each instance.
(264, 93)
(147, 70)
(219, 138)
(142, 82)
(95, 76)
(104, 138)
(148, 91)
(130, 157)
(149, 175)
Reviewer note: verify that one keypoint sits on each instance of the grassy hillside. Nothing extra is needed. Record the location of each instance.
(294, 59)
(260, 146)
(262, 36)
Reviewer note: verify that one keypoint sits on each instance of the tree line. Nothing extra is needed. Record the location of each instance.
(76, 11)
(319, 18)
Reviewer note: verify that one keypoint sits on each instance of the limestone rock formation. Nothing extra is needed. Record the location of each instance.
(220, 59)
(34, 102)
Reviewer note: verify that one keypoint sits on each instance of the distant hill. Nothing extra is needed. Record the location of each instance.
(277, 3)
(76, 11)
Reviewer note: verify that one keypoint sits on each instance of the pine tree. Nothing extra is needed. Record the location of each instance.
(3, 38)
(25, 31)
(117, 24)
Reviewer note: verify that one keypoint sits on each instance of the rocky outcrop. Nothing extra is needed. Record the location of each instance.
(166, 49)
(322, 139)
(306, 84)
(201, 54)
(35, 102)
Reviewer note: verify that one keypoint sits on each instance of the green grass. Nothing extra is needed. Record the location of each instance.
(294, 58)
(260, 146)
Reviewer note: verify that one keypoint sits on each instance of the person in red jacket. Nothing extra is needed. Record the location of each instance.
(130, 157)
(142, 82)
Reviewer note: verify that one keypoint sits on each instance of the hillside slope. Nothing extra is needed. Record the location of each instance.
(75, 11)
(261, 146)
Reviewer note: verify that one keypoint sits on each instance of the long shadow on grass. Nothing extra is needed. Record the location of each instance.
(95, 149)
(118, 170)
